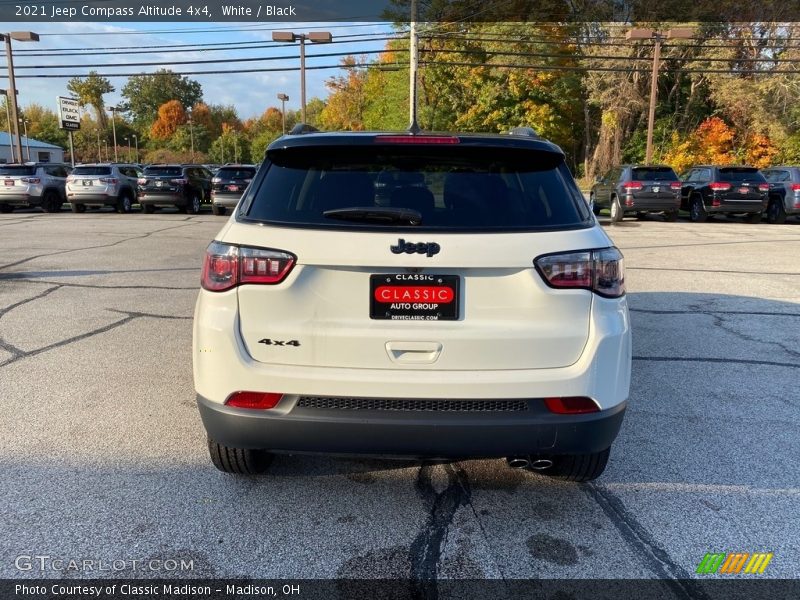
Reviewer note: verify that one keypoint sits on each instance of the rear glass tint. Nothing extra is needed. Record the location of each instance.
(654, 174)
(163, 171)
(235, 173)
(92, 171)
(18, 171)
(466, 188)
(740, 174)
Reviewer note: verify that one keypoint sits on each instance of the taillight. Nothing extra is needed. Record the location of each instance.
(571, 406)
(601, 271)
(796, 187)
(675, 185)
(112, 180)
(763, 187)
(227, 266)
(179, 181)
(632, 185)
(70, 179)
(216, 179)
(254, 400)
(719, 186)
(141, 181)
(416, 139)
(30, 179)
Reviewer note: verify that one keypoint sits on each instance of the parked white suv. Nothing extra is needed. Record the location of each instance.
(103, 184)
(472, 308)
(32, 184)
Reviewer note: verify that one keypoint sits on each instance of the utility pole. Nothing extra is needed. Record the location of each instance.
(99, 156)
(316, 37)
(642, 33)
(27, 139)
(8, 120)
(414, 65)
(21, 36)
(114, 110)
(136, 141)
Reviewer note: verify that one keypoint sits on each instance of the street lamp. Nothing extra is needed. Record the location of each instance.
(136, 141)
(316, 37)
(20, 36)
(191, 134)
(283, 98)
(128, 141)
(645, 33)
(27, 139)
(114, 110)
(8, 120)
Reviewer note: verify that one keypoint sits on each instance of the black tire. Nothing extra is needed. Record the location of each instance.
(754, 217)
(671, 216)
(776, 212)
(124, 203)
(595, 209)
(576, 467)
(78, 208)
(5, 208)
(238, 461)
(218, 210)
(697, 212)
(51, 202)
(617, 214)
(148, 209)
(193, 206)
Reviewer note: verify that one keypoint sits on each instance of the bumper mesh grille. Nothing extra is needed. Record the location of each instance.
(328, 403)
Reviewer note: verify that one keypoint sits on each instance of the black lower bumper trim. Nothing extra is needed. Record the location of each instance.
(413, 433)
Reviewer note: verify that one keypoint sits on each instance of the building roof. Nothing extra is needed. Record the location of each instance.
(34, 143)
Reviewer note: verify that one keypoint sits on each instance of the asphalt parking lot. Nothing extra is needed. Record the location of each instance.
(102, 453)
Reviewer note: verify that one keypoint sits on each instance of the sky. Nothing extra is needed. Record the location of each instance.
(250, 93)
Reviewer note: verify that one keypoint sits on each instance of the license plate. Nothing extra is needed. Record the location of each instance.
(233, 188)
(9, 182)
(744, 190)
(414, 297)
(87, 182)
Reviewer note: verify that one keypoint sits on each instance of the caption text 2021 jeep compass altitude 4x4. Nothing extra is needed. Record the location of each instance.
(473, 308)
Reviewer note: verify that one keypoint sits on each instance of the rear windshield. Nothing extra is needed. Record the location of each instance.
(654, 174)
(235, 173)
(466, 188)
(740, 174)
(21, 170)
(92, 171)
(163, 171)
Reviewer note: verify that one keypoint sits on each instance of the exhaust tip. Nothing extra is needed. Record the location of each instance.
(541, 464)
(518, 462)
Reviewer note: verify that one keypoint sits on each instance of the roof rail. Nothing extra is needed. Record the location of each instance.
(526, 131)
(302, 128)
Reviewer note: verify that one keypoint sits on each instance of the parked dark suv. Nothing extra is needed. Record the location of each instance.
(637, 189)
(184, 186)
(710, 190)
(784, 193)
(228, 185)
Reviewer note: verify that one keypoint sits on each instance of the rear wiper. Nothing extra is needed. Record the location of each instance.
(377, 214)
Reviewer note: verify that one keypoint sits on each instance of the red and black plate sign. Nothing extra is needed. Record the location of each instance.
(413, 297)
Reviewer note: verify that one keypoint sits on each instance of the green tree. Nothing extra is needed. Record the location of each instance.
(91, 91)
(144, 94)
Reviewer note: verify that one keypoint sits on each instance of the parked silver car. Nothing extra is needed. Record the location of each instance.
(784, 193)
(102, 184)
(228, 185)
(32, 184)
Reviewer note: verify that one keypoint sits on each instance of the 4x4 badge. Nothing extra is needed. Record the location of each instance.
(402, 246)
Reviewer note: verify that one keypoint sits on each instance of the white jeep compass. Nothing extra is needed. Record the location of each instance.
(441, 296)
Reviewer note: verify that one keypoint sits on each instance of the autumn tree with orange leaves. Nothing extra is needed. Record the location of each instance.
(171, 116)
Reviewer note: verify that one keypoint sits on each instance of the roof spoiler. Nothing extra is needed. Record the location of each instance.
(525, 131)
(302, 128)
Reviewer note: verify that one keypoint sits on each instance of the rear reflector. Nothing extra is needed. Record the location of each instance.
(416, 139)
(571, 406)
(719, 186)
(601, 271)
(716, 202)
(227, 266)
(254, 400)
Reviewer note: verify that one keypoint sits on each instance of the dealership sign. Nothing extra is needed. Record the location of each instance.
(69, 111)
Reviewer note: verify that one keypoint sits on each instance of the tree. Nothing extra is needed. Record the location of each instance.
(170, 117)
(90, 91)
(43, 124)
(144, 94)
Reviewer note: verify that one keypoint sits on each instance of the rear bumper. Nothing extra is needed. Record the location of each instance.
(744, 206)
(226, 200)
(97, 198)
(162, 199)
(288, 428)
(651, 204)
(21, 199)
